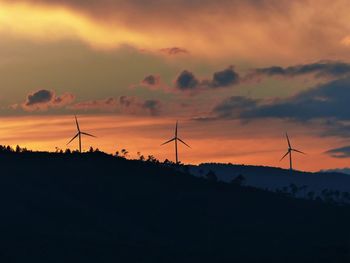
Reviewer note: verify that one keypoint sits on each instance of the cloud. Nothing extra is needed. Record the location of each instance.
(187, 81)
(151, 80)
(342, 152)
(45, 99)
(334, 127)
(234, 106)
(224, 78)
(330, 101)
(330, 69)
(63, 100)
(122, 104)
(39, 97)
(325, 106)
(153, 106)
(174, 51)
(136, 105)
(252, 29)
(126, 101)
(109, 104)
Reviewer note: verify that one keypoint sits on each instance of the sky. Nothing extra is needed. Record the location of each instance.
(237, 75)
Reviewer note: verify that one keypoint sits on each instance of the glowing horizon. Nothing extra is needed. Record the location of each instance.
(135, 134)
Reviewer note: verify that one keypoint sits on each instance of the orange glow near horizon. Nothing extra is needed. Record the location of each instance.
(145, 135)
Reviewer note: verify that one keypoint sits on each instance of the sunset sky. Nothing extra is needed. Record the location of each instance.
(236, 74)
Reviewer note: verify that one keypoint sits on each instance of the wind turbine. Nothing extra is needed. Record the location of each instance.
(289, 151)
(79, 134)
(175, 139)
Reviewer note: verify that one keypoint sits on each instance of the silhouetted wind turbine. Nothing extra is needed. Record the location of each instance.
(289, 151)
(79, 134)
(176, 139)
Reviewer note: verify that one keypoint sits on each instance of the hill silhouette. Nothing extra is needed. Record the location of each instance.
(329, 186)
(94, 207)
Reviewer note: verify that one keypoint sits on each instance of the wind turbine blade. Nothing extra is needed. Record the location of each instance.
(73, 138)
(184, 142)
(168, 141)
(284, 156)
(295, 150)
(88, 134)
(76, 121)
(176, 130)
(288, 140)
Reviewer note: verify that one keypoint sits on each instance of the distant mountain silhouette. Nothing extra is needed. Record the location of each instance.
(329, 186)
(339, 170)
(94, 207)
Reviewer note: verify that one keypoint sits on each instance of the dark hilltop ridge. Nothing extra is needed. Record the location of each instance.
(95, 207)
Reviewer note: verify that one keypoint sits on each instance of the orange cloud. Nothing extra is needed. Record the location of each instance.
(284, 30)
(174, 51)
(45, 23)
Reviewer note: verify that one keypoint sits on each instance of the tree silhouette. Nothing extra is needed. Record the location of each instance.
(9, 149)
(140, 156)
(152, 159)
(125, 153)
(18, 149)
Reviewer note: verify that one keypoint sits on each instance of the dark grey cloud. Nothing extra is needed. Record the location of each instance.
(187, 81)
(342, 152)
(325, 106)
(334, 69)
(151, 80)
(234, 106)
(226, 77)
(336, 128)
(151, 106)
(326, 101)
(39, 97)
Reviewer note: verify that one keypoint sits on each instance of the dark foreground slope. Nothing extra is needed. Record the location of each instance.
(96, 208)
